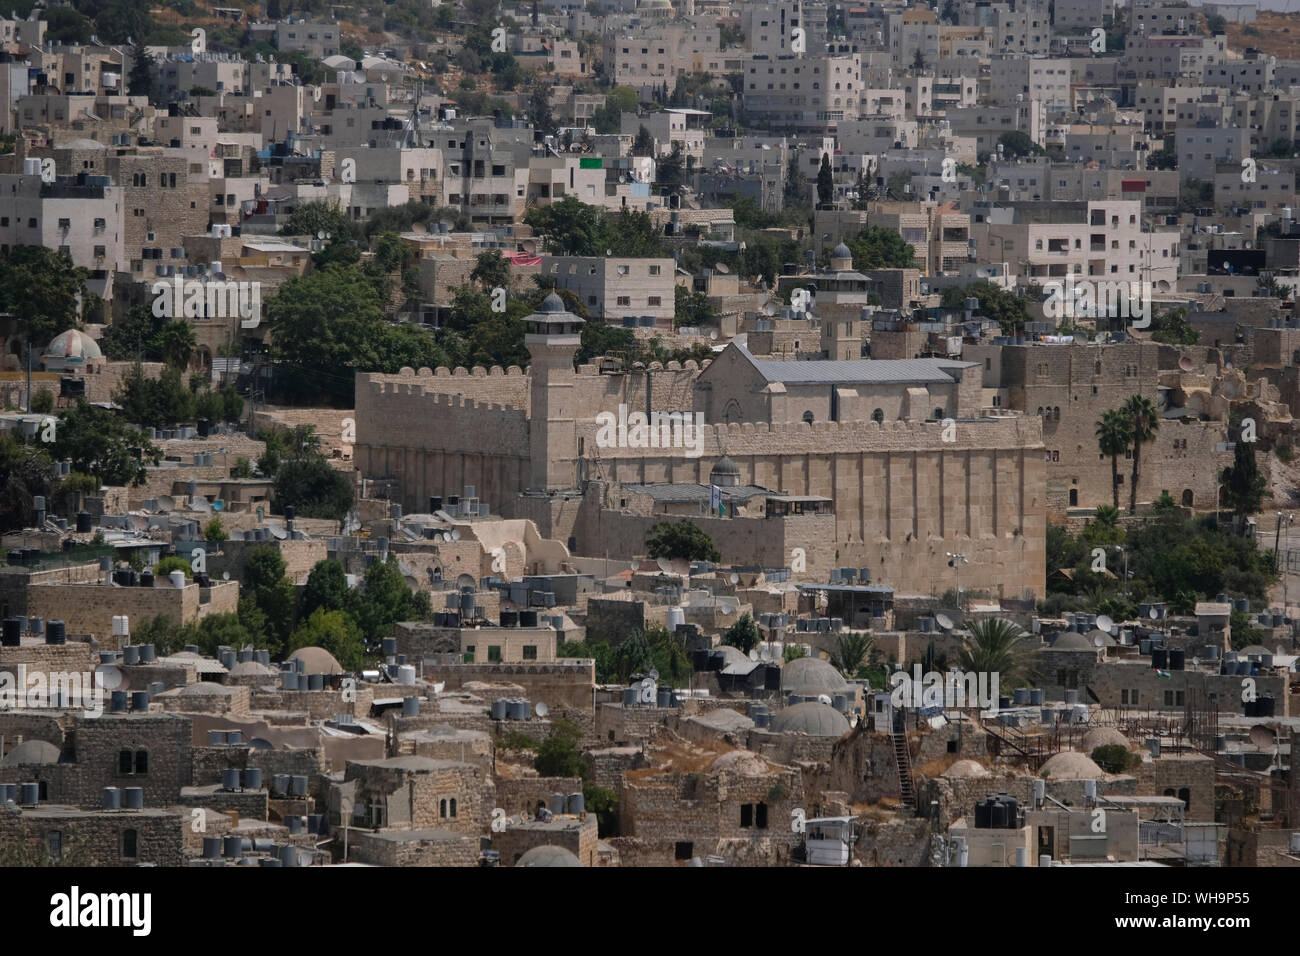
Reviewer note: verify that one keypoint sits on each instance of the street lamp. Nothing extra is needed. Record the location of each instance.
(1124, 551)
(955, 561)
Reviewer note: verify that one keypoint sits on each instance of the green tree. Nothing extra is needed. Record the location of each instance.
(383, 599)
(42, 401)
(327, 587)
(317, 216)
(1015, 144)
(996, 646)
(272, 593)
(1115, 758)
(1172, 328)
(140, 79)
(852, 652)
(794, 190)
(643, 144)
(681, 539)
(558, 754)
(742, 635)
(155, 402)
(825, 183)
(692, 309)
(569, 227)
(172, 563)
(1113, 438)
(1243, 484)
(336, 632)
(215, 531)
(632, 234)
(491, 270)
(1005, 308)
(879, 248)
(98, 443)
(1144, 422)
(314, 488)
(25, 471)
(42, 290)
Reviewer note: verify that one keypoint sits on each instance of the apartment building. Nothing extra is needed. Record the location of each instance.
(621, 291)
(1018, 79)
(672, 127)
(1203, 148)
(812, 94)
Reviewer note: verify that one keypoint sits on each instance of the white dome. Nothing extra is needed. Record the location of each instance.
(73, 344)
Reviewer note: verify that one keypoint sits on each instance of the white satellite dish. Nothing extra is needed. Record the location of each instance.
(753, 655)
(725, 609)
(1153, 614)
(320, 234)
(944, 621)
(664, 564)
(455, 536)
(1099, 641)
(1104, 623)
(540, 709)
(654, 674)
(823, 699)
(735, 578)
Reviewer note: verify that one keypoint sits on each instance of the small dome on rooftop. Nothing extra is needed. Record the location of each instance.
(1104, 737)
(966, 768)
(317, 660)
(1071, 766)
(548, 856)
(811, 718)
(552, 303)
(841, 252)
(811, 676)
(73, 344)
(31, 752)
(1072, 641)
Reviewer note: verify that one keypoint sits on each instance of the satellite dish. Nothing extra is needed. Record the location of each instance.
(540, 709)
(455, 535)
(735, 578)
(753, 655)
(225, 575)
(664, 565)
(823, 699)
(1104, 623)
(1099, 641)
(320, 234)
(721, 267)
(1186, 364)
(944, 621)
(1153, 614)
(654, 674)
(713, 335)
(725, 609)
(1261, 736)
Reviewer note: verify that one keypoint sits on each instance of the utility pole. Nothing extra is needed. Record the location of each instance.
(955, 561)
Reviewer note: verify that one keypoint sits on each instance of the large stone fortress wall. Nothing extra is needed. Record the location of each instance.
(903, 495)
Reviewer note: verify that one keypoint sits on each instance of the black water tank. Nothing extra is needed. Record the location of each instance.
(146, 579)
(1012, 809)
(435, 504)
(527, 618)
(84, 522)
(1177, 658)
(205, 427)
(13, 632)
(1159, 658)
(509, 618)
(1250, 708)
(998, 809)
(55, 633)
(15, 556)
(288, 512)
(699, 660)
(1265, 706)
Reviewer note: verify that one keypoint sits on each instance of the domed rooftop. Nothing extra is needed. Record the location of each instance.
(841, 252)
(966, 768)
(1104, 737)
(252, 669)
(73, 344)
(811, 718)
(552, 303)
(811, 677)
(743, 762)
(1253, 649)
(204, 689)
(1071, 766)
(724, 720)
(725, 474)
(31, 752)
(1072, 641)
(548, 856)
(317, 659)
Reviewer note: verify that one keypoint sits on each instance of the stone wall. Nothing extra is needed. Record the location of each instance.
(1177, 772)
(90, 608)
(565, 683)
(579, 838)
(158, 834)
(413, 848)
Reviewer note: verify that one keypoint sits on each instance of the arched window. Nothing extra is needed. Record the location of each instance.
(878, 416)
(808, 417)
(1040, 411)
(1056, 413)
(938, 413)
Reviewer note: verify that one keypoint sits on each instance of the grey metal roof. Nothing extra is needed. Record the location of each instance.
(879, 371)
(679, 491)
(860, 588)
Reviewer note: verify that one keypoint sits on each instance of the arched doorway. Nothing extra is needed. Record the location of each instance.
(1188, 497)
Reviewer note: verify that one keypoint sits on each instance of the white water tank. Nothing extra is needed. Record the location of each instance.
(177, 578)
(676, 616)
(406, 674)
(121, 625)
(32, 166)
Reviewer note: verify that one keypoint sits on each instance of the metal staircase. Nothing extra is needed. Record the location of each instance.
(903, 761)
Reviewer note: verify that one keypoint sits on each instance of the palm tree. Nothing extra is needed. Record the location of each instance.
(996, 646)
(853, 652)
(1113, 437)
(1144, 422)
(177, 342)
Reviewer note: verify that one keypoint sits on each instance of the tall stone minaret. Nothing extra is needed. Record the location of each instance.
(553, 338)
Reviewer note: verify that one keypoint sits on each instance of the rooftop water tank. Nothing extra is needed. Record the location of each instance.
(133, 798)
(110, 798)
